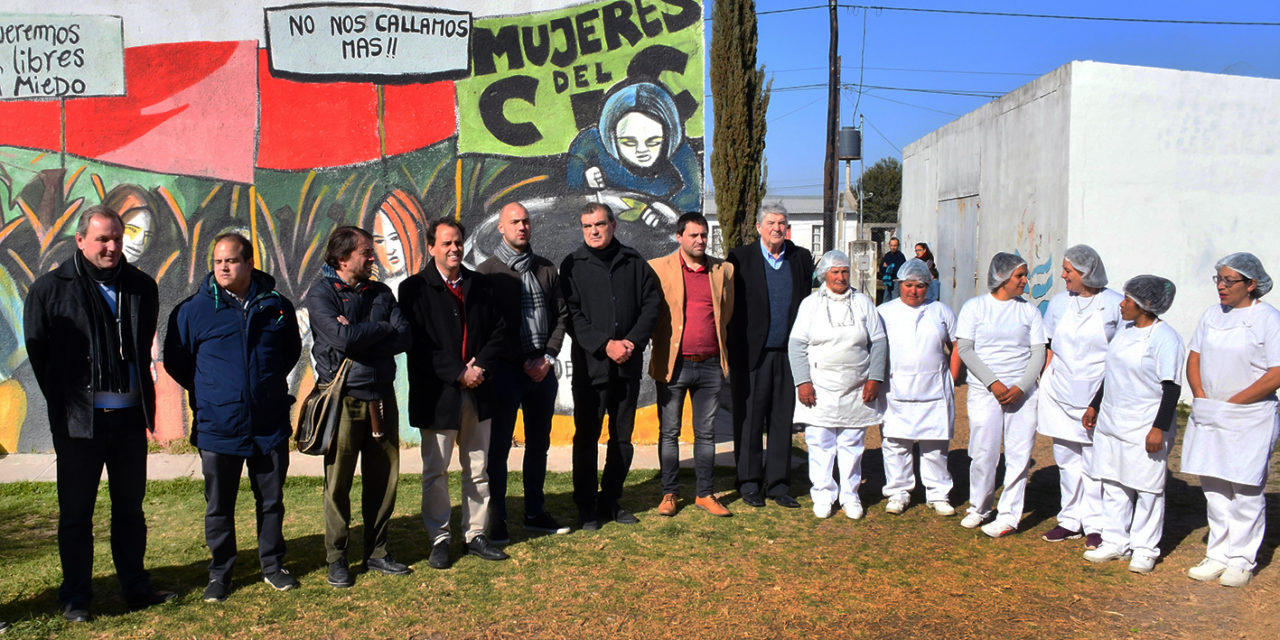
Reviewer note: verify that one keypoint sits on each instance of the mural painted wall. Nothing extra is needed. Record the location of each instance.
(577, 103)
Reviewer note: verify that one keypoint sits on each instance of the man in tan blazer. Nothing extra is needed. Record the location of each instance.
(689, 356)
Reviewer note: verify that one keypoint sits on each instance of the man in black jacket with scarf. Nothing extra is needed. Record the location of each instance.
(457, 340)
(527, 292)
(613, 300)
(89, 326)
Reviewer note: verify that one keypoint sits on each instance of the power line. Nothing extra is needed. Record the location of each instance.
(862, 61)
(1050, 16)
(915, 70)
(908, 104)
(852, 87)
(882, 135)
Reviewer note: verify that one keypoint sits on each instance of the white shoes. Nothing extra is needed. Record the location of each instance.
(943, 508)
(1106, 552)
(854, 511)
(897, 505)
(823, 511)
(1235, 577)
(997, 529)
(972, 521)
(1141, 564)
(1208, 569)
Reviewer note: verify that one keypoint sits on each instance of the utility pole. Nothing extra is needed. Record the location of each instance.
(829, 177)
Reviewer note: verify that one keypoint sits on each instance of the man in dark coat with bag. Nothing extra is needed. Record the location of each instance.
(232, 345)
(457, 341)
(354, 317)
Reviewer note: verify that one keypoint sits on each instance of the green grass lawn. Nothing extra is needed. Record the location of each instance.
(764, 573)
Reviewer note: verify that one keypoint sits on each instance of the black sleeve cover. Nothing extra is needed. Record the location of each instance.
(1168, 404)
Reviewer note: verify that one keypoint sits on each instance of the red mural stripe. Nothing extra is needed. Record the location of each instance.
(30, 124)
(419, 115)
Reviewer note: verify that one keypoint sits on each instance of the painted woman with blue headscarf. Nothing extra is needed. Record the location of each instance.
(639, 146)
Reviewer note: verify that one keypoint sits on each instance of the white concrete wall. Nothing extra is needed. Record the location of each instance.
(1170, 171)
(994, 180)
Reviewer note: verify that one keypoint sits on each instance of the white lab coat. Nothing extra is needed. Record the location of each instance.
(1138, 361)
(1079, 330)
(833, 334)
(1230, 441)
(920, 402)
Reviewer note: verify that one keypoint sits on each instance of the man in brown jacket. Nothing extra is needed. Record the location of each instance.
(688, 345)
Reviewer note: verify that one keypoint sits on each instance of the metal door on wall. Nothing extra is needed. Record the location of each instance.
(957, 253)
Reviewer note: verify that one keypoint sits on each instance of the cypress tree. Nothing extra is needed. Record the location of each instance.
(740, 97)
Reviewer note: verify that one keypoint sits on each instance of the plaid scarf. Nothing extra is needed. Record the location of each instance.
(533, 301)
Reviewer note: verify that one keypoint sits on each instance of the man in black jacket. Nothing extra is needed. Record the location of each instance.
(770, 279)
(457, 340)
(357, 318)
(527, 292)
(89, 327)
(613, 300)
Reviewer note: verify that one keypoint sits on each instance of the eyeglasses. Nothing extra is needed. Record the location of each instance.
(1230, 282)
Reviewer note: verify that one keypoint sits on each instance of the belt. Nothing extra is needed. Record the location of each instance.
(698, 358)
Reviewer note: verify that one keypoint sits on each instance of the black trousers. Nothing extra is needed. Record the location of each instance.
(616, 398)
(538, 399)
(119, 443)
(222, 486)
(765, 399)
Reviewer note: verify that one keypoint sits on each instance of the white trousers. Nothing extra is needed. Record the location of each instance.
(1134, 519)
(900, 474)
(472, 440)
(989, 425)
(831, 448)
(1237, 519)
(1081, 495)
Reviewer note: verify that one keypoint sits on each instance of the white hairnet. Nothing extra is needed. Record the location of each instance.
(830, 259)
(1002, 267)
(1089, 264)
(1249, 266)
(1153, 293)
(915, 269)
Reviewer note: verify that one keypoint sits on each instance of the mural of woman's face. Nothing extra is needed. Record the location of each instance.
(387, 245)
(640, 139)
(137, 234)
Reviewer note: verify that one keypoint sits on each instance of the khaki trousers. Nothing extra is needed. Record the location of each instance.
(472, 440)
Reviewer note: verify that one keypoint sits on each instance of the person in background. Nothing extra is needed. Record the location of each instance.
(355, 317)
(1234, 370)
(689, 338)
(1133, 419)
(1001, 340)
(89, 326)
(458, 337)
(889, 269)
(839, 354)
(770, 279)
(613, 303)
(935, 286)
(526, 290)
(1079, 323)
(232, 345)
(921, 406)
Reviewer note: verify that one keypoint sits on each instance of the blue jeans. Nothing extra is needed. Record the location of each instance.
(702, 381)
(538, 399)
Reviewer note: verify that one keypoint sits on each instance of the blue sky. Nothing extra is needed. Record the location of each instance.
(988, 55)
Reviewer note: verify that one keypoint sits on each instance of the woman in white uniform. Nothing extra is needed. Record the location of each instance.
(1000, 337)
(920, 404)
(838, 354)
(1079, 323)
(1133, 417)
(1234, 371)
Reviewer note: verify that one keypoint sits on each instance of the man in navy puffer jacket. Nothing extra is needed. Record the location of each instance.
(232, 345)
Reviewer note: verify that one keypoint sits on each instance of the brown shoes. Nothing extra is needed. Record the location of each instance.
(668, 505)
(712, 506)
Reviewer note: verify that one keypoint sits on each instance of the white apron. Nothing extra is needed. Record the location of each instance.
(1075, 373)
(1128, 412)
(921, 396)
(1224, 440)
(837, 371)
